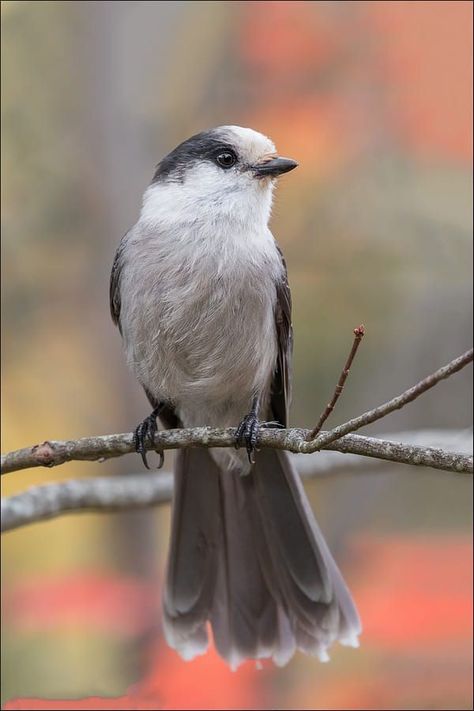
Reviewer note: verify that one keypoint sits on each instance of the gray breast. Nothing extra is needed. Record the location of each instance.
(198, 319)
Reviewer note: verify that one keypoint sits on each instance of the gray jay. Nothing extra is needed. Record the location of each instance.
(200, 294)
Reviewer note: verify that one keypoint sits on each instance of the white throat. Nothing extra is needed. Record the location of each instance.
(200, 201)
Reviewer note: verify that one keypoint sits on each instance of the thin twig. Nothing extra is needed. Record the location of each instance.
(358, 335)
(396, 403)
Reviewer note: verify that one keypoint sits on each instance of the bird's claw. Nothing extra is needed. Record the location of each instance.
(247, 434)
(147, 430)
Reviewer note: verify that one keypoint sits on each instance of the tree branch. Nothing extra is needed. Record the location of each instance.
(328, 463)
(106, 494)
(100, 494)
(52, 453)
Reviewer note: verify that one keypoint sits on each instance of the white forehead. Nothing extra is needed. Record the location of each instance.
(251, 144)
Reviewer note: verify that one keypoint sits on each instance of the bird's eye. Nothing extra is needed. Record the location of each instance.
(226, 159)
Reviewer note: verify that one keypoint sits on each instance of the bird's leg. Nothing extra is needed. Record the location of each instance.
(247, 431)
(147, 430)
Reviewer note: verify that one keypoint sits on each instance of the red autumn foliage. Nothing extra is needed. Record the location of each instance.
(414, 596)
(416, 591)
(103, 601)
(343, 76)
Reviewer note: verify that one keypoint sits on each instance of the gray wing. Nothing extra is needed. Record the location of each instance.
(167, 414)
(281, 384)
(114, 292)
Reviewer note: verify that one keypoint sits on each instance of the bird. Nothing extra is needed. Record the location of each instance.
(199, 291)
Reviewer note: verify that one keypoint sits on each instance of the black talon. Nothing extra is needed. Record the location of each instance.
(247, 434)
(138, 440)
(147, 430)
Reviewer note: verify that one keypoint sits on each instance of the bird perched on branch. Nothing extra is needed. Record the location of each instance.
(200, 294)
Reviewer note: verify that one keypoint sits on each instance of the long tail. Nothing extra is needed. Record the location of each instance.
(247, 556)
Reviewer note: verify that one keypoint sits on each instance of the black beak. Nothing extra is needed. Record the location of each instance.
(273, 167)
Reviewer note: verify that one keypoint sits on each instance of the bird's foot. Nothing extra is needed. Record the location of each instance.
(247, 434)
(147, 430)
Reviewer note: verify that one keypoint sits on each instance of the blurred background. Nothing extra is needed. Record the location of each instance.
(374, 99)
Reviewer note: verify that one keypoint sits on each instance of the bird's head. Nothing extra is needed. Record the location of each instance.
(226, 171)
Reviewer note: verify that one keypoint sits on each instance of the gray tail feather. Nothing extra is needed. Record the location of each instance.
(247, 556)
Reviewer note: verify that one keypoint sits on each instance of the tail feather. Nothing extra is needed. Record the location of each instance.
(287, 524)
(247, 555)
(192, 562)
(244, 615)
